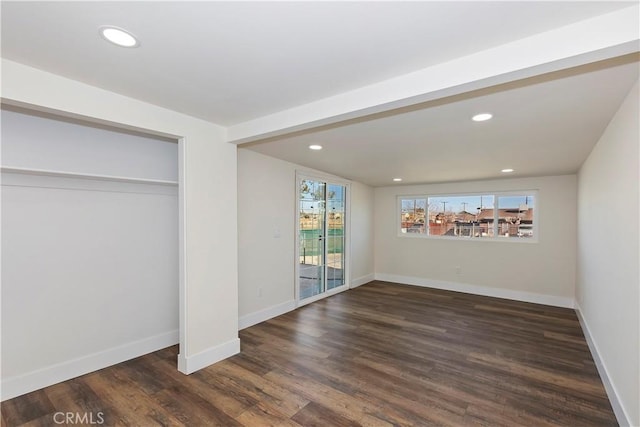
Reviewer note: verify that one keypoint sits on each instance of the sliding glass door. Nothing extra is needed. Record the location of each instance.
(321, 263)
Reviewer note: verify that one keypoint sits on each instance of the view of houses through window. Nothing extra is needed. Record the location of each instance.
(471, 216)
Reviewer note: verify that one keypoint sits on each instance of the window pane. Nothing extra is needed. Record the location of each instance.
(515, 216)
(412, 215)
(335, 236)
(461, 216)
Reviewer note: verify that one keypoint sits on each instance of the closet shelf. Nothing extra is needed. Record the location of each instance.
(63, 174)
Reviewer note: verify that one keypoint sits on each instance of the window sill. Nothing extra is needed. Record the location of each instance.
(469, 239)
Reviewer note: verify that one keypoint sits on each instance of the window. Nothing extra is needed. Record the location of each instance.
(515, 216)
(413, 215)
(461, 216)
(494, 216)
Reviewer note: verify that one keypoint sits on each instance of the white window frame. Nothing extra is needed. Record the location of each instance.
(496, 238)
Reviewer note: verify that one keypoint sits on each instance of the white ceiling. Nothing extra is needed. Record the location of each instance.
(232, 63)
(229, 62)
(541, 126)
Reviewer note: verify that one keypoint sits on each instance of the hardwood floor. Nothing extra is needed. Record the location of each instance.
(379, 355)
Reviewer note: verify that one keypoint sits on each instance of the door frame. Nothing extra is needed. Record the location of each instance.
(329, 179)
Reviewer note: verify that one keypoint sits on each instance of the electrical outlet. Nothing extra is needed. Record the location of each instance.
(458, 270)
(259, 292)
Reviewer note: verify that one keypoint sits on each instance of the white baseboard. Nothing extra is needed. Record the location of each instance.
(266, 314)
(359, 281)
(621, 415)
(16, 386)
(190, 364)
(480, 290)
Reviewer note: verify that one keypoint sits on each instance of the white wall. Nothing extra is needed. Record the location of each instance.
(207, 206)
(608, 278)
(266, 196)
(88, 265)
(362, 234)
(51, 143)
(266, 243)
(86, 268)
(539, 272)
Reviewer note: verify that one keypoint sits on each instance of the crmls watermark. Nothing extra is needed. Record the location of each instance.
(71, 418)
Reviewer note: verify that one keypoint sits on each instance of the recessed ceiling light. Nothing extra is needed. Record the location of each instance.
(119, 37)
(482, 117)
(315, 147)
(509, 170)
(397, 179)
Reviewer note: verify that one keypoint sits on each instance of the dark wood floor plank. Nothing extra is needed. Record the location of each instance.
(27, 408)
(262, 389)
(356, 410)
(380, 355)
(265, 415)
(316, 415)
(130, 405)
(190, 408)
(198, 384)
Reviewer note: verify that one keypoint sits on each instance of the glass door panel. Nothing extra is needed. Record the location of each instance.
(312, 239)
(336, 204)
